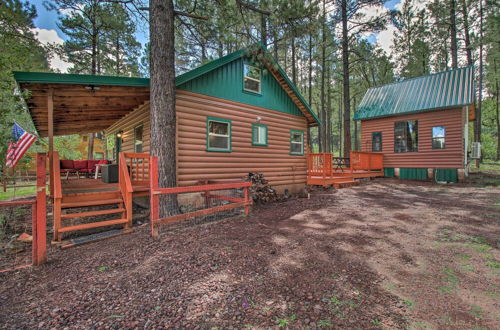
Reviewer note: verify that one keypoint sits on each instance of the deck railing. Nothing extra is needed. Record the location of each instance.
(319, 164)
(138, 167)
(366, 161)
(125, 185)
(55, 184)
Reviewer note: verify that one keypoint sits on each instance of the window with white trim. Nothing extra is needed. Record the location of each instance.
(296, 142)
(438, 137)
(259, 134)
(251, 78)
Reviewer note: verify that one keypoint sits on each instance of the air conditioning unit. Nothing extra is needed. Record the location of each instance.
(476, 150)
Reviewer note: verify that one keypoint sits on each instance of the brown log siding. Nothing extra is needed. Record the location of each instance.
(426, 157)
(195, 163)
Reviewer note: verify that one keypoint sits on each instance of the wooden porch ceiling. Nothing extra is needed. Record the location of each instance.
(81, 108)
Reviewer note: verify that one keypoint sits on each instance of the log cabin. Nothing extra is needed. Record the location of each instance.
(420, 125)
(234, 116)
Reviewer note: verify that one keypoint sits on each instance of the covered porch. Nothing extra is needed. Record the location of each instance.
(65, 104)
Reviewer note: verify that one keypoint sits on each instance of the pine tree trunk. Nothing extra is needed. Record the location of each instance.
(477, 124)
(453, 35)
(345, 81)
(497, 110)
(294, 68)
(324, 124)
(468, 47)
(162, 96)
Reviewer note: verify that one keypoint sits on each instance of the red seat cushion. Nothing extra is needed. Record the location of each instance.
(67, 164)
(85, 170)
(80, 164)
(103, 161)
(91, 164)
(64, 170)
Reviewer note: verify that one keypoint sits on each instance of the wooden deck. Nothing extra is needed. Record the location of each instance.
(323, 171)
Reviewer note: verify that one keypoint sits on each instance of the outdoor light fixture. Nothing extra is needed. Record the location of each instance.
(92, 88)
(119, 134)
(258, 119)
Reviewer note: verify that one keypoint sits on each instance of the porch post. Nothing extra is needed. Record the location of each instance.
(50, 119)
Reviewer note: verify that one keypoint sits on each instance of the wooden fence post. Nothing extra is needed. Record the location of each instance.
(39, 225)
(247, 201)
(154, 199)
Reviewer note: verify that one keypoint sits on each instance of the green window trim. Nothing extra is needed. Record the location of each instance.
(251, 91)
(254, 125)
(292, 132)
(219, 120)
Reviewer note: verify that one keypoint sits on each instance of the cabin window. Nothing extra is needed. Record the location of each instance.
(377, 141)
(296, 142)
(406, 136)
(138, 130)
(438, 137)
(259, 135)
(218, 134)
(251, 78)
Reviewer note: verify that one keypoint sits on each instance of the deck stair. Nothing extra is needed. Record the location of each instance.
(77, 208)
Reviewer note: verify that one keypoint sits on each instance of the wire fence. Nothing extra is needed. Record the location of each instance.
(200, 203)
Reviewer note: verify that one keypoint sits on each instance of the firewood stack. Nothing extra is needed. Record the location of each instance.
(261, 191)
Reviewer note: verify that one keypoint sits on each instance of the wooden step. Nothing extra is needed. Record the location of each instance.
(90, 196)
(91, 213)
(91, 203)
(93, 225)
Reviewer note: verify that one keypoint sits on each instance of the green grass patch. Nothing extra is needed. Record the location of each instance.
(493, 294)
(464, 256)
(325, 323)
(476, 311)
(468, 268)
(494, 265)
(11, 193)
(285, 322)
(103, 268)
(409, 303)
(376, 323)
(479, 247)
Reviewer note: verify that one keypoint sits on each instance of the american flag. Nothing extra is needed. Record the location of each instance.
(17, 149)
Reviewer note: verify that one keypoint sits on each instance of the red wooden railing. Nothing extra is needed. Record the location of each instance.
(367, 161)
(155, 193)
(138, 167)
(56, 193)
(126, 188)
(38, 216)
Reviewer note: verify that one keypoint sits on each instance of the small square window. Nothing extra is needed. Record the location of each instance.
(377, 141)
(296, 142)
(406, 136)
(259, 135)
(251, 78)
(218, 134)
(438, 137)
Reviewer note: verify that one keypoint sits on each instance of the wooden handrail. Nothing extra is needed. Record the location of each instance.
(124, 174)
(126, 188)
(56, 175)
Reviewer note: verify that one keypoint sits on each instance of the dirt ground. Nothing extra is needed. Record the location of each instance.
(385, 254)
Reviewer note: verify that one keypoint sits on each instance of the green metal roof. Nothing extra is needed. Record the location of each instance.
(447, 89)
(78, 79)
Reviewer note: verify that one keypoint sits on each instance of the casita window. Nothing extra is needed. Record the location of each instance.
(218, 134)
(377, 141)
(251, 78)
(406, 136)
(438, 137)
(296, 142)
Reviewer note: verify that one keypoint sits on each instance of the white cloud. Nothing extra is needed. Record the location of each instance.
(47, 37)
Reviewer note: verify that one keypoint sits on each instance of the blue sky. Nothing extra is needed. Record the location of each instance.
(48, 31)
